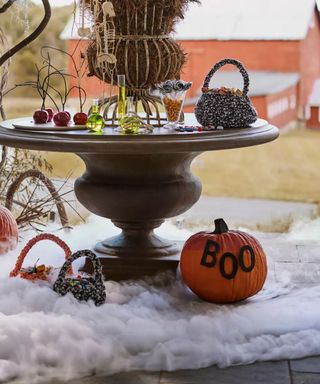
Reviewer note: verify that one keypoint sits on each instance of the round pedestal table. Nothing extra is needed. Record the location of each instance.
(137, 181)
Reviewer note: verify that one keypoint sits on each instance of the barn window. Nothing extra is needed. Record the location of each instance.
(278, 107)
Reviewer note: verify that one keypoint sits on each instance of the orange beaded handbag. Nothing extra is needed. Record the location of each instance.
(40, 272)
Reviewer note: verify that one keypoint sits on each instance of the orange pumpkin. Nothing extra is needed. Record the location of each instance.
(8, 231)
(223, 266)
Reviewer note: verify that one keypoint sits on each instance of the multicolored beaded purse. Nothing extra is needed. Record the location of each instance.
(40, 272)
(226, 107)
(82, 288)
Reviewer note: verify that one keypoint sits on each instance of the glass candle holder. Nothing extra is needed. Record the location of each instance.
(173, 104)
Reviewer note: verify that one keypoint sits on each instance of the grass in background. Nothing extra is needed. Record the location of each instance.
(286, 169)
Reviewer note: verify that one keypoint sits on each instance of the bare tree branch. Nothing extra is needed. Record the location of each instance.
(34, 34)
(51, 188)
(7, 5)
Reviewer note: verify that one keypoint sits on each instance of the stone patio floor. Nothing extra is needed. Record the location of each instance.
(304, 371)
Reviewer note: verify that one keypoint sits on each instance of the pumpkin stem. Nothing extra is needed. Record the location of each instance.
(220, 226)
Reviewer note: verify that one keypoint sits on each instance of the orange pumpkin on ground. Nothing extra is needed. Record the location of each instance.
(223, 266)
(8, 231)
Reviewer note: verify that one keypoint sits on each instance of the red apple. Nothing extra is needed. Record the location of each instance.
(50, 113)
(80, 118)
(61, 119)
(40, 116)
(68, 113)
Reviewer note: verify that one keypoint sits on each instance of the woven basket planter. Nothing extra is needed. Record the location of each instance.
(145, 53)
(145, 62)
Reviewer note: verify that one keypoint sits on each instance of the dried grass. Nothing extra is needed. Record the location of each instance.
(148, 17)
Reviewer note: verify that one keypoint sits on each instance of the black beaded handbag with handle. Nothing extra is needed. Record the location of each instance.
(226, 107)
(82, 288)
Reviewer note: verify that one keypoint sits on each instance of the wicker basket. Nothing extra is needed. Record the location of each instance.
(152, 61)
(144, 51)
(43, 274)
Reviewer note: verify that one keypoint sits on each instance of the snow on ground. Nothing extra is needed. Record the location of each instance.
(149, 327)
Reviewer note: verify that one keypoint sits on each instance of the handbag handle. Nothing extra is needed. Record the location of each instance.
(223, 62)
(33, 242)
(97, 269)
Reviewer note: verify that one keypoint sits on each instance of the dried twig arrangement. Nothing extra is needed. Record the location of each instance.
(80, 70)
(44, 85)
(16, 163)
(43, 207)
(32, 206)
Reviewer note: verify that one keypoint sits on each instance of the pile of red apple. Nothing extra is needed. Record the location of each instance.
(60, 119)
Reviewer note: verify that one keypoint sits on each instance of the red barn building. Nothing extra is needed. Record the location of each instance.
(313, 111)
(277, 40)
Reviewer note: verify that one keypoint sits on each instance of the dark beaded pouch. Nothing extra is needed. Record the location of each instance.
(229, 108)
(84, 288)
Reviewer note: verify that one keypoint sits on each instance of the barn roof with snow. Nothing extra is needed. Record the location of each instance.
(261, 82)
(247, 20)
(239, 20)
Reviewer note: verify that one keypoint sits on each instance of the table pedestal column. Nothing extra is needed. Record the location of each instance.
(137, 192)
(137, 237)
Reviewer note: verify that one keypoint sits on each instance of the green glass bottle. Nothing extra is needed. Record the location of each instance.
(95, 122)
(130, 123)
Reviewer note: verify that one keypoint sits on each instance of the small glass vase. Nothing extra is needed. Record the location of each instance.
(130, 122)
(95, 122)
(173, 104)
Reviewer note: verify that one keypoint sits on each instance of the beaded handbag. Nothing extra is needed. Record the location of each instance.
(226, 107)
(40, 272)
(82, 288)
